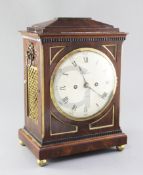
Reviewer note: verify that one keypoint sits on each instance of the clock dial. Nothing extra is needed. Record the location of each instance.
(83, 84)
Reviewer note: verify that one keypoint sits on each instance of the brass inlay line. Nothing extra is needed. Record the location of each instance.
(104, 126)
(42, 89)
(74, 131)
(52, 59)
(114, 45)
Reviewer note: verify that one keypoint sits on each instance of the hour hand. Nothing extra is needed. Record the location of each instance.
(81, 71)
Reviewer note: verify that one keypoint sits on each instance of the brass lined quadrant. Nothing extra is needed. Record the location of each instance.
(91, 127)
(57, 49)
(112, 49)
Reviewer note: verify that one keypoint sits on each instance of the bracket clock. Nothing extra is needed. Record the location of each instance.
(72, 88)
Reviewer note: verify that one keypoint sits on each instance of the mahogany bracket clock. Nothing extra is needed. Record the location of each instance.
(72, 88)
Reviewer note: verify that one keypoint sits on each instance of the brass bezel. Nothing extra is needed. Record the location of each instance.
(52, 82)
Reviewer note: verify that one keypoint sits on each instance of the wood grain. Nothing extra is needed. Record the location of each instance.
(70, 34)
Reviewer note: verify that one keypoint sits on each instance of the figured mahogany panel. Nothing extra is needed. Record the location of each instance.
(107, 120)
(58, 127)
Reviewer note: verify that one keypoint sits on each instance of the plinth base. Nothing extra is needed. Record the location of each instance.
(44, 152)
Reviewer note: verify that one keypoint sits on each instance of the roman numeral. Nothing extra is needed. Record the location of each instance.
(63, 88)
(62, 72)
(104, 95)
(74, 64)
(74, 107)
(65, 100)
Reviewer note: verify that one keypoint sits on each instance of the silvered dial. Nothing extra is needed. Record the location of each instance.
(83, 83)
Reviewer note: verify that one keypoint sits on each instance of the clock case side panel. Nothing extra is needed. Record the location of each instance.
(33, 74)
(69, 46)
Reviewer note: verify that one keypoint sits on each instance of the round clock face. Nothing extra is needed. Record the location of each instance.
(83, 84)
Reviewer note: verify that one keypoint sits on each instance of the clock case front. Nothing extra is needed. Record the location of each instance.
(47, 132)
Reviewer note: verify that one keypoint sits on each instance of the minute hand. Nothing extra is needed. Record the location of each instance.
(95, 91)
(86, 83)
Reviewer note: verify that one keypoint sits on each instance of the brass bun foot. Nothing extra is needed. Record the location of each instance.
(42, 163)
(120, 148)
(21, 143)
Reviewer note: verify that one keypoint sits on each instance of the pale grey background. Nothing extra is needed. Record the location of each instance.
(17, 15)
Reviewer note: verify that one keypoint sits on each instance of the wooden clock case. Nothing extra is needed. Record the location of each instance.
(47, 133)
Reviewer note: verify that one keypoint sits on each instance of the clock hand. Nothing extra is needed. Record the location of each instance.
(94, 91)
(86, 84)
(81, 72)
